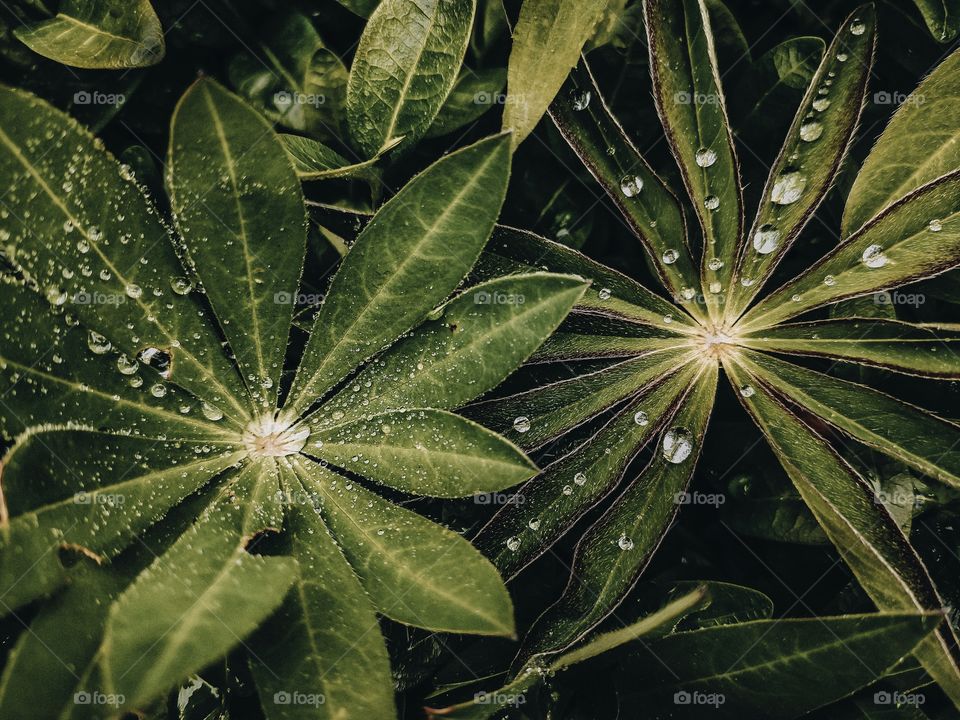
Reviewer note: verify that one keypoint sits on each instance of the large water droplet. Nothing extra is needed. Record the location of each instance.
(821, 104)
(624, 543)
(604, 294)
(857, 27)
(677, 445)
(513, 544)
(159, 360)
(211, 412)
(670, 256)
(711, 202)
(705, 157)
(874, 257)
(521, 424)
(688, 293)
(715, 287)
(747, 391)
(788, 188)
(630, 185)
(158, 390)
(580, 478)
(935, 225)
(641, 418)
(715, 263)
(126, 366)
(133, 291)
(811, 130)
(580, 99)
(181, 285)
(97, 343)
(766, 239)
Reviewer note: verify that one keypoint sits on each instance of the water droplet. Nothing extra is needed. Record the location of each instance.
(630, 185)
(842, 57)
(795, 298)
(158, 390)
(715, 263)
(604, 294)
(811, 130)
(625, 543)
(715, 287)
(580, 99)
(641, 418)
(788, 188)
(94, 234)
(688, 293)
(711, 202)
(874, 257)
(521, 424)
(567, 490)
(857, 27)
(668, 319)
(820, 104)
(677, 445)
(126, 366)
(513, 544)
(747, 282)
(181, 285)
(580, 478)
(935, 225)
(55, 295)
(766, 239)
(747, 391)
(534, 524)
(829, 281)
(133, 291)
(97, 343)
(670, 256)
(211, 412)
(158, 359)
(705, 157)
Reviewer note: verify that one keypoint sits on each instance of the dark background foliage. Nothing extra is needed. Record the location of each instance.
(552, 194)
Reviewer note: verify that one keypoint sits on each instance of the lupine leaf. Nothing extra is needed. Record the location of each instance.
(942, 18)
(99, 34)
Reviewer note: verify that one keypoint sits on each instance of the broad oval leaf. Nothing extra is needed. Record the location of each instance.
(99, 34)
(404, 69)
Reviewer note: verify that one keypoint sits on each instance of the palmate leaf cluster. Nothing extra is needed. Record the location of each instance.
(216, 488)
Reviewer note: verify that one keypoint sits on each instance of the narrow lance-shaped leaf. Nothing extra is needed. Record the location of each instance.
(920, 144)
(610, 557)
(861, 529)
(194, 603)
(547, 507)
(686, 87)
(225, 166)
(547, 42)
(902, 431)
(404, 68)
(810, 159)
(326, 633)
(769, 668)
(96, 247)
(415, 571)
(98, 34)
(782, 73)
(315, 161)
(650, 209)
(553, 409)
(407, 260)
(423, 452)
(926, 350)
(917, 237)
(480, 337)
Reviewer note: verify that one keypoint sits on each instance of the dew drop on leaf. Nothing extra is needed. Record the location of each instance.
(935, 225)
(580, 478)
(630, 185)
(513, 544)
(133, 291)
(580, 99)
(715, 263)
(158, 390)
(604, 294)
(857, 27)
(829, 281)
(567, 490)
(821, 104)
(766, 239)
(670, 256)
(534, 524)
(181, 285)
(688, 293)
(716, 287)
(711, 202)
(521, 424)
(677, 445)
(211, 412)
(126, 366)
(747, 391)
(811, 130)
(788, 188)
(641, 418)
(705, 157)
(97, 343)
(874, 257)
(842, 57)
(746, 282)
(624, 543)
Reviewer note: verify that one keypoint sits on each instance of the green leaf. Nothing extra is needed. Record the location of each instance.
(94, 246)
(612, 554)
(810, 159)
(546, 507)
(407, 260)
(325, 635)
(649, 208)
(299, 82)
(942, 18)
(415, 571)
(926, 350)
(779, 77)
(197, 600)
(423, 452)
(225, 165)
(315, 161)
(920, 144)
(404, 69)
(861, 529)
(904, 432)
(98, 34)
(782, 519)
(474, 93)
(770, 668)
(547, 41)
(556, 408)
(686, 87)
(917, 237)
